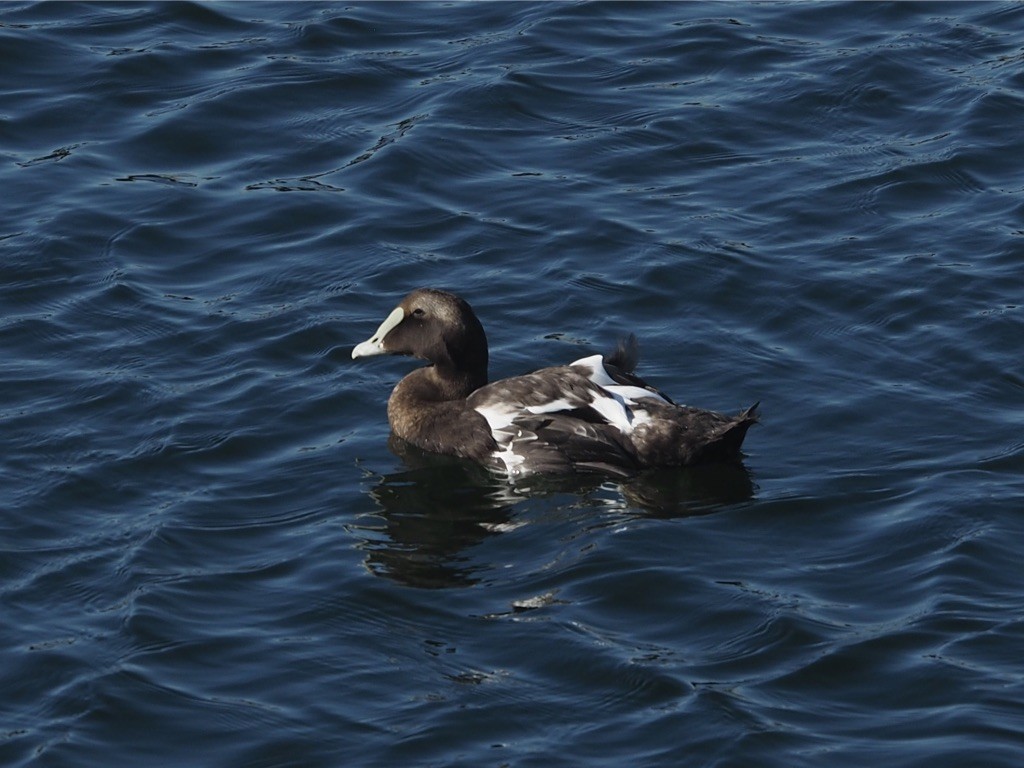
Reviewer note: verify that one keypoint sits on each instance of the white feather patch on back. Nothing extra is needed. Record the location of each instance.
(561, 404)
(595, 364)
(615, 412)
(499, 415)
(626, 395)
(632, 394)
(616, 403)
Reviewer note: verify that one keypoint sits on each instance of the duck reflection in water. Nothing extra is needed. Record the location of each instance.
(434, 512)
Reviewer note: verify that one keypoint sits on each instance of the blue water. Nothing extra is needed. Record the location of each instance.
(210, 556)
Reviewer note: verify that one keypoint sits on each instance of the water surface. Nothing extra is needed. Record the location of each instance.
(210, 556)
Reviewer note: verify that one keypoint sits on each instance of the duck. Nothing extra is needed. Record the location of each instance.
(594, 415)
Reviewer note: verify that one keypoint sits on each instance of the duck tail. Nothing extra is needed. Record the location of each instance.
(626, 354)
(750, 415)
(726, 445)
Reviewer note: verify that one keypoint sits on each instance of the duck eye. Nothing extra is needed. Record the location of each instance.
(418, 312)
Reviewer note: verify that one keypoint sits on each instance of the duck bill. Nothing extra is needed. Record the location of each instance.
(375, 344)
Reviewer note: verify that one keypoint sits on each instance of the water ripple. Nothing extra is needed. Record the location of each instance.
(817, 206)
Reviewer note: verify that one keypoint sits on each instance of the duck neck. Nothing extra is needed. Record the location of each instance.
(451, 383)
(457, 381)
(434, 384)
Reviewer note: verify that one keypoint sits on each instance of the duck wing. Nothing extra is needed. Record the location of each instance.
(557, 420)
(620, 366)
(565, 444)
(590, 416)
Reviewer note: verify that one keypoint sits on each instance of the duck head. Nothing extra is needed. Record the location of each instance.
(432, 325)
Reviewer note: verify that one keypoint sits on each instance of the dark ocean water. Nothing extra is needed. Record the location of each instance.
(210, 557)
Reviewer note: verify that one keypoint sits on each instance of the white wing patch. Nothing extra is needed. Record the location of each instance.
(615, 412)
(595, 364)
(597, 374)
(499, 416)
(561, 404)
(618, 404)
(626, 395)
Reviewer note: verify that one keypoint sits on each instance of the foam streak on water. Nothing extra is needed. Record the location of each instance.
(210, 556)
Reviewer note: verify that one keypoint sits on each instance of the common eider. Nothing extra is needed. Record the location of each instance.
(593, 415)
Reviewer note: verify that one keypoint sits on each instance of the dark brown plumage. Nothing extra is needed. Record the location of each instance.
(594, 415)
